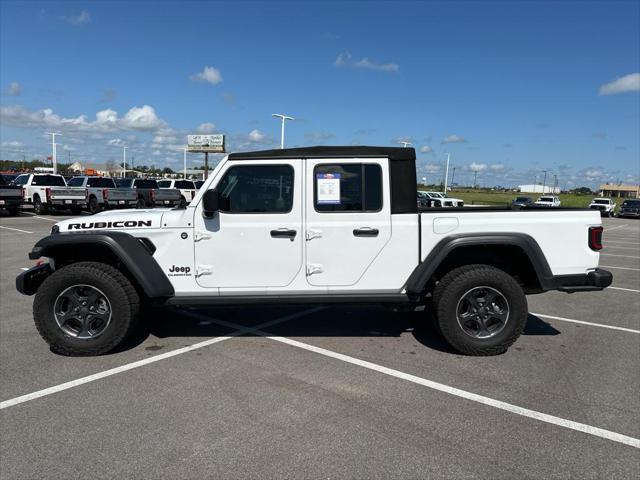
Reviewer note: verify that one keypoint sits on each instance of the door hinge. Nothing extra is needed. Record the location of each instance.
(203, 270)
(311, 234)
(197, 236)
(314, 268)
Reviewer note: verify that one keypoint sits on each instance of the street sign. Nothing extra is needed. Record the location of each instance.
(205, 143)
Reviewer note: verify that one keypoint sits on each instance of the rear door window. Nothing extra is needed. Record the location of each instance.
(349, 187)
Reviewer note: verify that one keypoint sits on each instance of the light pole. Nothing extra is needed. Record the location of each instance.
(184, 160)
(283, 118)
(405, 144)
(124, 162)
(54, 160)
(544, 182)
(446, 175)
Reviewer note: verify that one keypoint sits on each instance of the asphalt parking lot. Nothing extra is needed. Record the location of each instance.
(310, 392)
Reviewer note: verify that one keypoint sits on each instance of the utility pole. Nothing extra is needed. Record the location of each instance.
(544, 182)
(206, 161)
(555, 182)
(446, 175)
(54, 160)
(124, 162)
(184, 161)
(283, 118)
(475, 177)
(453, 175)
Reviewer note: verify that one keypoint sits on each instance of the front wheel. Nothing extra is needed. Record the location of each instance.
(38, 207)
(481, 310)
(86, 308)
(94, 206)
(140, 203)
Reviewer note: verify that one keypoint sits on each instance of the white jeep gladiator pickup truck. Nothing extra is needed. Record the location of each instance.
(47, 191)
(102, 193)
(315, 225)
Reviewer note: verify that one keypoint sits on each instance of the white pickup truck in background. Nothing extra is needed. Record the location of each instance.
(548, 201)
(606, 206)
(47, 191)
(187, 189)
(102, 193)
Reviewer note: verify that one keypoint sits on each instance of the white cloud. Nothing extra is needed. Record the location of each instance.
(496, 167)
(453, 139)
(12, 144)
(14, 89)
(117, 142)
(628, 83)
(142, 119)
(431, 168)
(478, 167)
(208, 75)
(426, 149)
(345, 59)
(80, 19)
(256, 136)
(206, 127)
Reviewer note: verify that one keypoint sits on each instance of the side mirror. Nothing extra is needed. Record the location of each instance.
(210, 203)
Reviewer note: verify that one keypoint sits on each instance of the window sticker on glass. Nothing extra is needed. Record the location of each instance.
(328, 188)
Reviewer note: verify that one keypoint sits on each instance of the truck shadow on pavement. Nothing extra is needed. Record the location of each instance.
(337, 321)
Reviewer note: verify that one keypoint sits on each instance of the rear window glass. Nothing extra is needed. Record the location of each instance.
(75, 182)
(349, 187)
(48, 181)
(145, 183)
(100, 182)
(164, 183)
(184, 184)
(21, 180)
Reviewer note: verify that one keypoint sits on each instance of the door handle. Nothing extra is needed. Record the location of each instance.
(284, 233)
(366, 232)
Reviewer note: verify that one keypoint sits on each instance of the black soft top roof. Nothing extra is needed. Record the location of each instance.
(392, 153)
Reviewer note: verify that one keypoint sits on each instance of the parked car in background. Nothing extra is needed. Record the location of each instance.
(102, 193)
(548, 201)
(521, 202)
(606, 206)
(439, 199)
(187, 189)
(10, 196)
(149, 194)
(48, 191)
(198, 184)
(630, 208)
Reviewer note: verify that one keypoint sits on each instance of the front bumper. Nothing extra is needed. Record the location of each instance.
(595, 280)
(629, 213)
(28, 282)
(10, 203)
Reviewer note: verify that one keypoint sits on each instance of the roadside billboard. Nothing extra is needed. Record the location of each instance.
(212, 143)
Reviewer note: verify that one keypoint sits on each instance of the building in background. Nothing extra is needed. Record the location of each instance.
(619, 190)
(538, 189)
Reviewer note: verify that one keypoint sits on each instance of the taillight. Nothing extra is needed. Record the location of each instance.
(153, 195)
(23, 193)
(48, 194)
(595, 238)
(86, 194)
(105, 194)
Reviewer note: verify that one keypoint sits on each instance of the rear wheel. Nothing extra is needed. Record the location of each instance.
(87, 308)
(140, 203)
(183, 202)
(38, 207)
(94, 206)
(481, 310)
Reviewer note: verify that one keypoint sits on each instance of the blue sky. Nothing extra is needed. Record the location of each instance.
(508, 88)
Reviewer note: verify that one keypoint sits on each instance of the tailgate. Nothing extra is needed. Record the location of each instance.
(123, 194)
(167, 194)
(69, 193)
(7, 193)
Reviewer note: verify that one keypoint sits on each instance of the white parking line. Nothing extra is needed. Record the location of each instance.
(623, 256)
(140, 363)
(625, 289)
(474, 397)
(621, 268)
(623, 243)
(40, 217)
(15, 229)
(614, 228)
(582, 322)
(622, 248)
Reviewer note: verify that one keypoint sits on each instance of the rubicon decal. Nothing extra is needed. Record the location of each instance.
(118, 224)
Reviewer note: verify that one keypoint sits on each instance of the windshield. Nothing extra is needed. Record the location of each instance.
(184, 184)
(631, 203)
(523, 199)
(545, 199)
(49, 181)
(601, 202)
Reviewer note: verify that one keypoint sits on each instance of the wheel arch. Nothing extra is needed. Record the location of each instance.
(516, 253)
(131, 255)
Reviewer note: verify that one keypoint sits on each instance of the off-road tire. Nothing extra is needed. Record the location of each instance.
(124, 300)
(93, 206)
(453, 287)
(183, 202)
(38, 207)
(141, 203)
